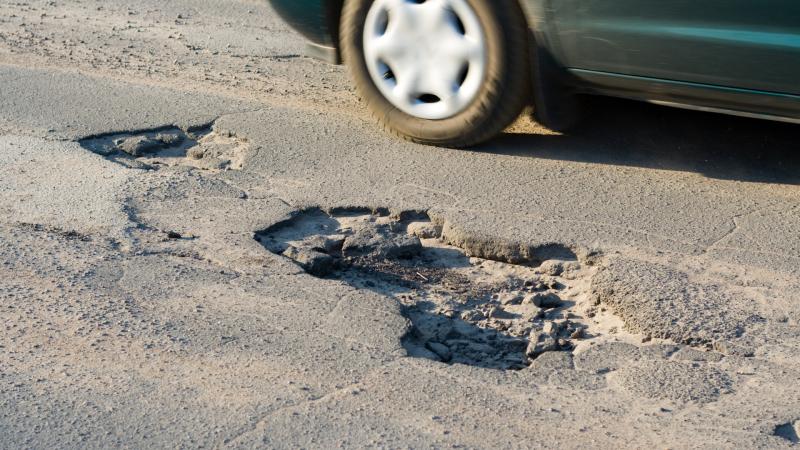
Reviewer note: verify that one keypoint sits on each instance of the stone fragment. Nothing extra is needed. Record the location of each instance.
(535, 286)
(169, 138)
(465, 329)
(424, 230)
(552, 267)
(377, 241)
(473, 316)
(441, 350)
(551, 328)
(533, 312)
(314, 262)
(326, 244)
(540, 342)
(478, 347)
(433, 328)
(497, 312)
(520, 329)
(499, 325)
(510, 299)
(545, 300)
(138, 145)
(196, 152)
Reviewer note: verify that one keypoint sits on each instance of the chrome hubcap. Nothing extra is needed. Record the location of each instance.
(427, 57)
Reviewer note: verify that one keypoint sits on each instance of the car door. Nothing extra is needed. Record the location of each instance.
(749, 44)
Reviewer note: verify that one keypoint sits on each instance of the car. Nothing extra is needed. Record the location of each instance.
(457, 72)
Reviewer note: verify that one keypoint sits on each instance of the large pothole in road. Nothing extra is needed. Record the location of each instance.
(202, 148)
(468, 310)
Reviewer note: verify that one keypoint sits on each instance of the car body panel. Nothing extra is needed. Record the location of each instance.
(704, 97)
(734, 56)
(317, 21)
(310, 18)
(752, 44)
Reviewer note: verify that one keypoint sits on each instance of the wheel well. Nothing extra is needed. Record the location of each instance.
(334, 15)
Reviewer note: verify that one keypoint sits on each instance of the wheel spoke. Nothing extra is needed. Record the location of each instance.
(466, 49)
(437, 15)
(400, 16)
(386, 48)
(441, 82)
(407, 87)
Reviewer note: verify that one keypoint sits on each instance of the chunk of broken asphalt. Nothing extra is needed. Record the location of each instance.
(552, 267)
(551, 328)
(544, 300)
(441, 350)
(138, 145)
(196, 152)
(541, 342)
(325, 244)
(169, 138)
(424, 230)
(312, 261)
(377, 241)
(511, 299)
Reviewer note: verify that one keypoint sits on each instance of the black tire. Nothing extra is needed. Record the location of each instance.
(505, 90)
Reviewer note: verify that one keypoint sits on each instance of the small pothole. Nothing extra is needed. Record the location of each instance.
(203, 148)
(463, 309)
(789, 431)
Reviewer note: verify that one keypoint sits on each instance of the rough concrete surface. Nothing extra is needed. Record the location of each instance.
(205, 242)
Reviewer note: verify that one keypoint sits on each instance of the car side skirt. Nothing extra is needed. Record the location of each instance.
(317, 21)
(321, 52)
(736, 101)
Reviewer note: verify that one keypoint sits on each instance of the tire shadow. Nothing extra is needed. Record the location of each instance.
(637, 134)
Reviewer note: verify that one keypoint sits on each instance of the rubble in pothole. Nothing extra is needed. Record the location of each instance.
(203, 148)
(463, 309)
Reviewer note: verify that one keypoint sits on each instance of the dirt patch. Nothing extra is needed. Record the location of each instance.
(662, 302)
(676, 381)
(204, 148)
(469, 310)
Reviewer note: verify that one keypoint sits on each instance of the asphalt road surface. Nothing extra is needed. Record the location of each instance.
(205, 241)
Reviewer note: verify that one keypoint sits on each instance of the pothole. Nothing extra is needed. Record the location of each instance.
(789, 431)
(203, 148)
(467, 310)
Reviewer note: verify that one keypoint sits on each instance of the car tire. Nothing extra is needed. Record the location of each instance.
(501, 97)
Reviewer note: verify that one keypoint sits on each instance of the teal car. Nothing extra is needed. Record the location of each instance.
(457, 72)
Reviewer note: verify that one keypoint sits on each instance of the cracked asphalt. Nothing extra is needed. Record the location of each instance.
(139, 310)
